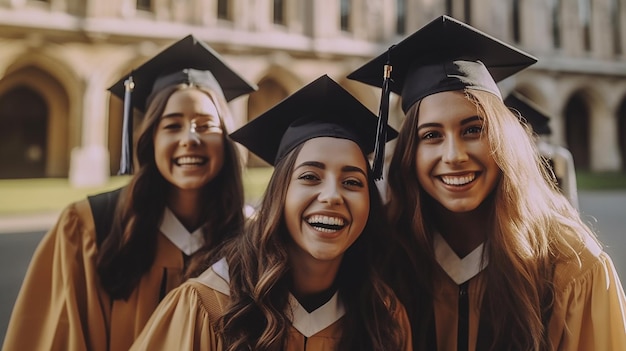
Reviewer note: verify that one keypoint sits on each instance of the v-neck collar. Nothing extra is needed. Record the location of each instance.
(176, 232)
(458, 269)
(306, 323)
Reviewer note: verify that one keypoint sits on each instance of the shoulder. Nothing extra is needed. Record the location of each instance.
(215, 277)
(587, 262)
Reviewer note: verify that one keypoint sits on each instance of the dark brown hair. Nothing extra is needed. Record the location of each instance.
(259, 276)
(129, 250)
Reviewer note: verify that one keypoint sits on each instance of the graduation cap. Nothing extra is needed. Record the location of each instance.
(320, 109)
(530, 111)
(444, 55)
(189, 61)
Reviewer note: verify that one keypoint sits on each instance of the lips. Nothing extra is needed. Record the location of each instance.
(458, 180)
(190, 161)
(326, 224)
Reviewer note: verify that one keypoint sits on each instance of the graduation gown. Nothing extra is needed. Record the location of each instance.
(62, 305)
(186, 318)
(588, 313)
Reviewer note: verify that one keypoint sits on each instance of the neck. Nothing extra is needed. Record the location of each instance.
(463, 231)
(311, 278)
(186, 206)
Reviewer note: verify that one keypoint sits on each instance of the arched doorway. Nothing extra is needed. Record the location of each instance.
(577, 130)
(269, 94)
(621, 132)
(23, 135)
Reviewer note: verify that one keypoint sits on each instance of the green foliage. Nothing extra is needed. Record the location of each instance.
(601, 180)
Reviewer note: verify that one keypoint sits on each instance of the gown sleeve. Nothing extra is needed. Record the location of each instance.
(181, 322)
(589, 310)
(60, 305)
(403, 319)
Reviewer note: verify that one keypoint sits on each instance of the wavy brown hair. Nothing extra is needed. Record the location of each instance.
(129, 249)
(259, 278)
(532, 227)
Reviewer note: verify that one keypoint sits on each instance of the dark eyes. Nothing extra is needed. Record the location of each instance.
(434, 134)
(312, 178)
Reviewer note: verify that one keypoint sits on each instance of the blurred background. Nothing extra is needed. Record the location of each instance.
(60, 129)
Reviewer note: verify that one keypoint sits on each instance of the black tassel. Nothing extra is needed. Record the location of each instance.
(126, 161)
(383, 114)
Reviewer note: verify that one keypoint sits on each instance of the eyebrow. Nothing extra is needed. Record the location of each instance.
(320, 165)
(180, 114)
(463, 122)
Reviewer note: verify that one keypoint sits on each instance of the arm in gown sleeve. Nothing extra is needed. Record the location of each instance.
(589, 311)
(182, 321)
(60, 305)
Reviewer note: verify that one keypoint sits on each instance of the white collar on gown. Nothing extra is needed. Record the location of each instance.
(306, 323)
(176, 232)
(458, 269)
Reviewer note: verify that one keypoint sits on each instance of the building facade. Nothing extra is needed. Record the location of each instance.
(59, 57)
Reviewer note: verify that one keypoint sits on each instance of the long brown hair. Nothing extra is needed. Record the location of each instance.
(259, 276)
(129, 250)
(532, 227)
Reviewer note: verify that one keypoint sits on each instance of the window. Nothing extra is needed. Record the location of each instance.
(223, 10)
(556, 23)
(400, 16)
(516, 21)
(584, 8)
(345, 14)
(144, 5)
(279, 12)
(616, 27)
(449, 7)
(467, 11)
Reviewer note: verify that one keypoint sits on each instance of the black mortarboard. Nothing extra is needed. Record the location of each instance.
(529, 111)
(321, 108)
(188, 61)
(444, 55)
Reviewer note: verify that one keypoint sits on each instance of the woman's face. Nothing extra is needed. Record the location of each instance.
(327, 203)
(453, 160)
(188, 140)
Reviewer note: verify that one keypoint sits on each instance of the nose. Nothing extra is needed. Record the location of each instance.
(190, 137)
(454, 151)
(331, 194)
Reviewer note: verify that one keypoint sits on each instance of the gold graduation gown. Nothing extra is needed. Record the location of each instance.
(185, 319)
(588, 314)
(62, 306)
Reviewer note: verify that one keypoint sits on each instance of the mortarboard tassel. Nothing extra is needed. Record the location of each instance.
(383, 114)
(126, 161)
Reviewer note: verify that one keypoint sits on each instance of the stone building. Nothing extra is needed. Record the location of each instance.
(58, 57)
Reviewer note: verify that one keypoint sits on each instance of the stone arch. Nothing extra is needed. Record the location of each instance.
(39, 86)
(577, 113)
(275, 85)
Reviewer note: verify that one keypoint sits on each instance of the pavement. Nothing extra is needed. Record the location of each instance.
(30, 222)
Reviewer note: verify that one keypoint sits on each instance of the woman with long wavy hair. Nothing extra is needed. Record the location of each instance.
(494, 257)
(304, 275)
(88, 288)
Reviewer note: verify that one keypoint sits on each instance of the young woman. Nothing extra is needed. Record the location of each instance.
(496, 257)
(304, 275)
(85, 291)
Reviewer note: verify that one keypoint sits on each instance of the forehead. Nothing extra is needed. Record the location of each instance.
(329, 150)
(445, 106)
(190, 99)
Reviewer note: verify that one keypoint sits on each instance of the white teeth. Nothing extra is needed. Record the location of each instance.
(325, 220)
(326, 224)
(453, 180)
(189, 160)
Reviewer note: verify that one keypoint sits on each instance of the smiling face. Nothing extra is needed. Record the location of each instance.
(453, 160)
(188, 140)
(327, 202)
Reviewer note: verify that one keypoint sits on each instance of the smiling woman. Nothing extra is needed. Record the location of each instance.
(494, 256)
(97, 276)
(304, 274)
